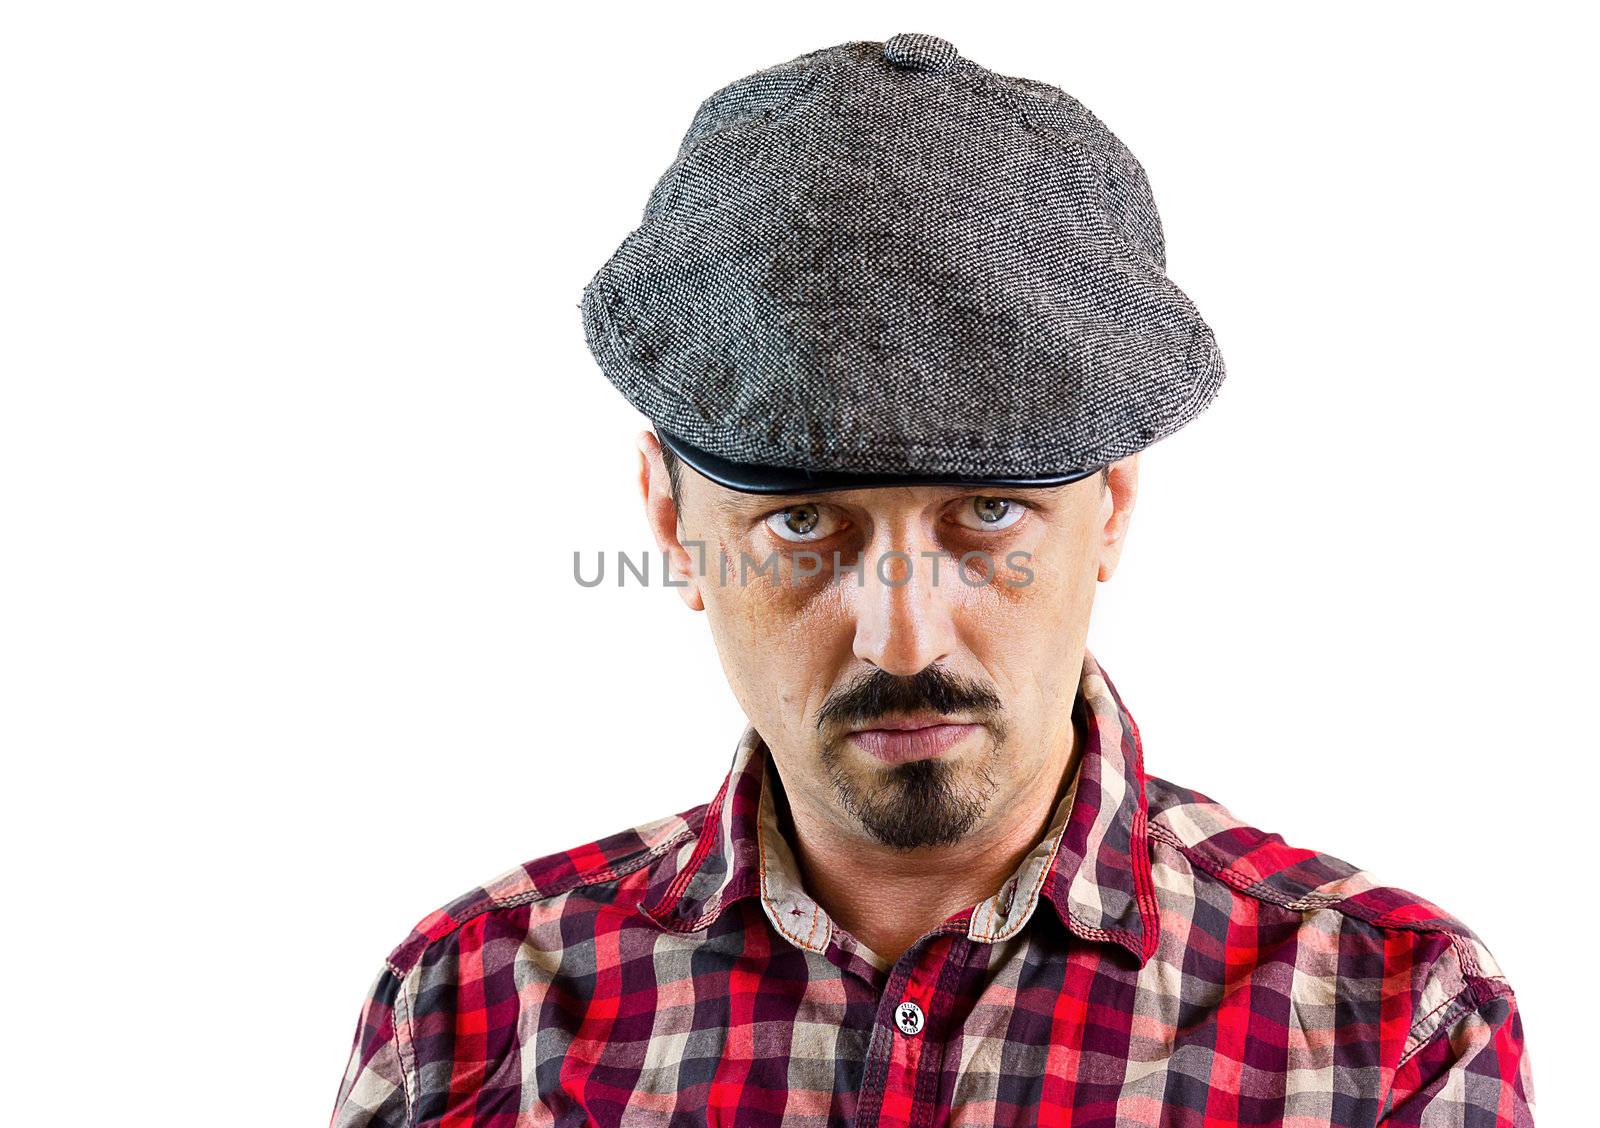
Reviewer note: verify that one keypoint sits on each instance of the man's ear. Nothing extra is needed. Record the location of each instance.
(661, 511)
(1116, 507)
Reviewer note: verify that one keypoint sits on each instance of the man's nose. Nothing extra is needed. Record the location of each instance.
(904, 617)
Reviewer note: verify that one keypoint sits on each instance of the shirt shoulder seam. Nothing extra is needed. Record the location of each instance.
(408, 955)
(1252, 887)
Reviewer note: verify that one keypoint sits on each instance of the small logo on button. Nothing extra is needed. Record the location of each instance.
(908, 1017)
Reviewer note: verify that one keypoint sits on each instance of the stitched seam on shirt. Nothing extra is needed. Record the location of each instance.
(405, 1051)
(1095, 931)
(595, 877)
(985, 934)
(1417, 1044)
(1475, 991)
(612, 872)
(761, 868)
(1468, 959)
(1252, 887)
(1143, 879)
(709, 821)
(1453, 1007)
(1482, 985)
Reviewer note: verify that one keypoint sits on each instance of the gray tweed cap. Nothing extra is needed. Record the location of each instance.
(880, 263)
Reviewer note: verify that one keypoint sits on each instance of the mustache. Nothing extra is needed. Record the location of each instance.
(877, 693)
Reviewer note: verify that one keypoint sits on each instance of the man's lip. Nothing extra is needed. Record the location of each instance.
(906, 724)
(897, 745)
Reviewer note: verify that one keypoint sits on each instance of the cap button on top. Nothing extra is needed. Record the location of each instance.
(920, 52)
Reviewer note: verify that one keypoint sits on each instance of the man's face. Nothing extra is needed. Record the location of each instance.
(909, 655)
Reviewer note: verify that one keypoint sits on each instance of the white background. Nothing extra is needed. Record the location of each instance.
(299, 435)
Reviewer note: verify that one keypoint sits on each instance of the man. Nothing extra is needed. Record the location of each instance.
(903, 326)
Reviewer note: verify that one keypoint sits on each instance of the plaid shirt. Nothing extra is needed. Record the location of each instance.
(1153, 961)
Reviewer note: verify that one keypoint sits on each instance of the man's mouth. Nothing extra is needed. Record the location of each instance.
(912, 738)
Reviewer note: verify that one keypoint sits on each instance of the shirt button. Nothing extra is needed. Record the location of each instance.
(908, 1017)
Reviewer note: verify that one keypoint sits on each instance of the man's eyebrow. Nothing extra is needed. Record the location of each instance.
(738, 502)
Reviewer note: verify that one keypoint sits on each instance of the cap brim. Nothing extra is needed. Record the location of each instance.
(751, 477)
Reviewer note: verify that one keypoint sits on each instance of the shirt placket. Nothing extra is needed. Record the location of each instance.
(900, 1086)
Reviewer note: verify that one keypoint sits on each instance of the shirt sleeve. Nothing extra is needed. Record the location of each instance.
(1471, 1071)
(373, 1092)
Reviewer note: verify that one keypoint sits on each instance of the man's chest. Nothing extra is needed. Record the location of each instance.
(957, 1033)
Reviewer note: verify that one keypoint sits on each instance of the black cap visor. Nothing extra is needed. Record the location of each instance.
(750, 477)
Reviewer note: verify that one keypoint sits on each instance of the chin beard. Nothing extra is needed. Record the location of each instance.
(915, 804)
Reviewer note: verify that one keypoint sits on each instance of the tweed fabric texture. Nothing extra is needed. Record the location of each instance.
(885, 258)
(1154, 960)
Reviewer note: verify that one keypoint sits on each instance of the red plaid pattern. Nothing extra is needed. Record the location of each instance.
(1153, 961)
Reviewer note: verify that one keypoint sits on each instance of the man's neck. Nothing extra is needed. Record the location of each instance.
(888, 898)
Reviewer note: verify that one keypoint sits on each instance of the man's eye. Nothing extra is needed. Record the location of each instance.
(989, 513)
(802, 523)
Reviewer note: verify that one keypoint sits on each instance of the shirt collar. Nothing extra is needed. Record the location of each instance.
(1092, 866)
